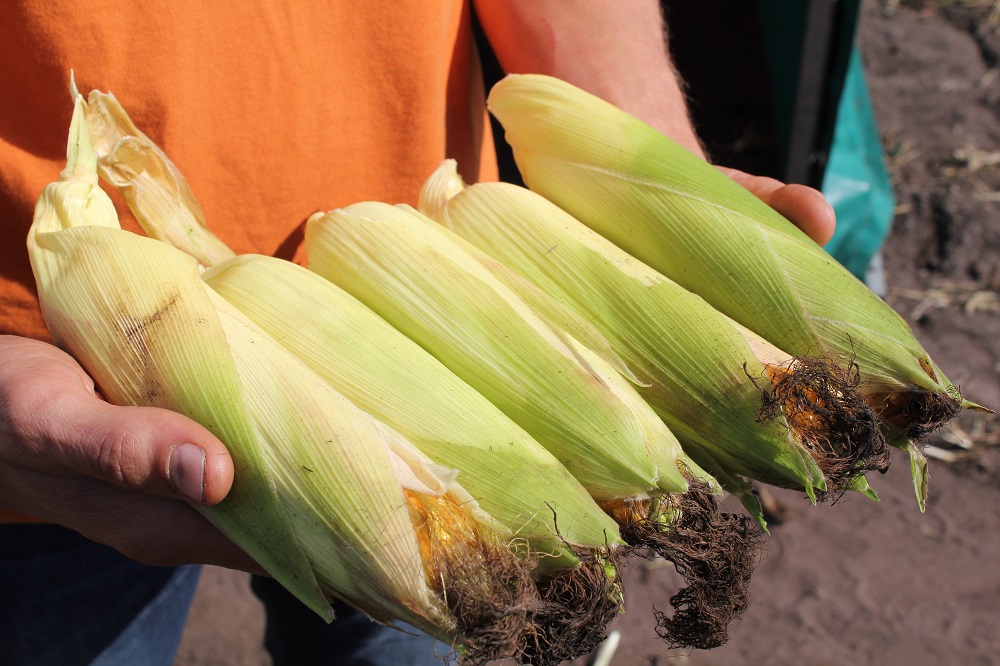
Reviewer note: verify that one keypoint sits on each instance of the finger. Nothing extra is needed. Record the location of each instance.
(150, 450)
(152, 530)
(161, 531)
(807, 209)
(803, 206)
(68, 430)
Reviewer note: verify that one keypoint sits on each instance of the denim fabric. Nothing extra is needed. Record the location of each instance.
(153, 636)
(296, 636)
(66, 600)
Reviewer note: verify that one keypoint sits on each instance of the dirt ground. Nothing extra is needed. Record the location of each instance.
(859, 582)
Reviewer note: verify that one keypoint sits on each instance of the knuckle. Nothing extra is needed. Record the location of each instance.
(117, 457)
(27, 429)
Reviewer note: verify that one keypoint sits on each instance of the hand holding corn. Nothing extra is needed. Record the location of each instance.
(122, 476)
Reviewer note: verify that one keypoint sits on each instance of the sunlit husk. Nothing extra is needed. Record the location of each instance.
(704, 374)
(428, 284)
(697, 369)
(345, 495)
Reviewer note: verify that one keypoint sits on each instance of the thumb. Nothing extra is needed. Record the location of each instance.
(52, 422)
(147, 449)
(151, 450)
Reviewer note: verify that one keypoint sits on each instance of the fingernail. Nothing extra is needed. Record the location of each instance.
(186, 470)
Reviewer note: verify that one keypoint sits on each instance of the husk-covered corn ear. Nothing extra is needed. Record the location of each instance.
(684, 218)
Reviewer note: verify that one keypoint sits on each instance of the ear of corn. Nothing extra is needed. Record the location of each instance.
(703, 373)
(426, 283)
(351, 483)
(688, 221)
(326, 498)
(133, 348)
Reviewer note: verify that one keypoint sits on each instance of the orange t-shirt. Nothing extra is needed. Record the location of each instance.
(271, 110)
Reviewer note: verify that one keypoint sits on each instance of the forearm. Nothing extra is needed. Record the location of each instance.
(615, 50)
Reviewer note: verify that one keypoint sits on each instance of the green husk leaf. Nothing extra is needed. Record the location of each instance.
(687, 220)
(678, 214)
(860, 485)
(919, 472)
(703, 373)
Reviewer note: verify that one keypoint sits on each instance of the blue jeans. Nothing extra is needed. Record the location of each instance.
(296, 636)
(67, 601)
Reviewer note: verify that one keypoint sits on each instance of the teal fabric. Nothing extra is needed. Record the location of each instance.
(856, 180)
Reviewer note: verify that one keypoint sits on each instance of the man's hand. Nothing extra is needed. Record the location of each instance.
(122, 476)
